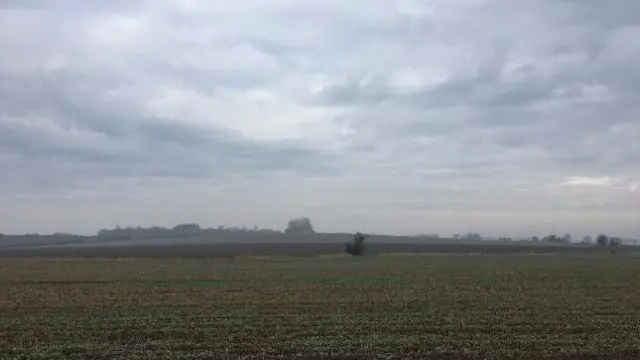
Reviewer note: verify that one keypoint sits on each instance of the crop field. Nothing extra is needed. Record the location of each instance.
(439, 306)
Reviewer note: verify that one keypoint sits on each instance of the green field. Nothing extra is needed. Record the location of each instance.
(386, 306)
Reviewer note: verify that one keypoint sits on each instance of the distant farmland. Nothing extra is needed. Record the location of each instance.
(206, 250)
(281, 244)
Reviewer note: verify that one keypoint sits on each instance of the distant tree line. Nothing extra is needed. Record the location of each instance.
(296, 226)
(604, 240)
(553, 238)
(178, 231)
(601, 240)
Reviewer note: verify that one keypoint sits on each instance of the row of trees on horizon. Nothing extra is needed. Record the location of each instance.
(295, 226)
(303, 226)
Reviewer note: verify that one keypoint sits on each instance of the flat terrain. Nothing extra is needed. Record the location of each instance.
(448, 306)
(292, 247)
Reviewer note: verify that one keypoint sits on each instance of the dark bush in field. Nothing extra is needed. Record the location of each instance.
(356, 247)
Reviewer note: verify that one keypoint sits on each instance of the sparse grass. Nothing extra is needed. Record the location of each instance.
(401, 307)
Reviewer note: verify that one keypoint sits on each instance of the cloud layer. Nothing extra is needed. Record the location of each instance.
(495, 116)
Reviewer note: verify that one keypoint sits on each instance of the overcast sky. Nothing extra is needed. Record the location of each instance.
(500, 117)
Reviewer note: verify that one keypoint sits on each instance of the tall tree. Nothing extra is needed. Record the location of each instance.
(299, 226)
(602, 240)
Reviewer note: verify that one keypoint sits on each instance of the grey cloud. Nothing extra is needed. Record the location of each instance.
(414, 106)
(75, 6)
(591, 12)
(60, 141)
(161, 149)
(352, 91)
(547, 112)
